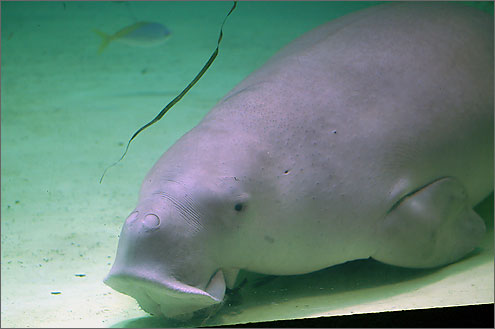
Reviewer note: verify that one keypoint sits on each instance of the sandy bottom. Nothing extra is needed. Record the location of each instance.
(66, 113)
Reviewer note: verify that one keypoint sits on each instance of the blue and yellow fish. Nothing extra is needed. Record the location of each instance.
(142, 34)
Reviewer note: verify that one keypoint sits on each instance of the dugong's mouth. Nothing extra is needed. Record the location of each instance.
(168, 297)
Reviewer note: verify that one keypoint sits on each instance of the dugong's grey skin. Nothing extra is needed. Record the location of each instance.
(369, 136)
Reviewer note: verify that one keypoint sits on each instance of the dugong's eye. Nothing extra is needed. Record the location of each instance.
(238, 207)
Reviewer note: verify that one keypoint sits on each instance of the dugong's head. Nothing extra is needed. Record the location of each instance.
(176, 253)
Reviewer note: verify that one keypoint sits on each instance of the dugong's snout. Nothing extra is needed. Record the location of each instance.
(166, 296)
(161, 263)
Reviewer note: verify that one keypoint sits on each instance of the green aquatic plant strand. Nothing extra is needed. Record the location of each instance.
(178, 97)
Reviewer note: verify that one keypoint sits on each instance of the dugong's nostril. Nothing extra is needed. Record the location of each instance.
(132, 217)
(151, 221)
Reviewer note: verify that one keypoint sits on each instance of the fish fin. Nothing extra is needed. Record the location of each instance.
(105, 40)
(432, 226)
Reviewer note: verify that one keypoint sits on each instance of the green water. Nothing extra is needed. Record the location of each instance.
(66, 114)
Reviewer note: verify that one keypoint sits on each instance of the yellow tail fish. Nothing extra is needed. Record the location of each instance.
(141, 34)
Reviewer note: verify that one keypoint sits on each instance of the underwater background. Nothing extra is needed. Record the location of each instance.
(68, 107)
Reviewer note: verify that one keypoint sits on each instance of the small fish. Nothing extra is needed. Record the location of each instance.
(142, 34)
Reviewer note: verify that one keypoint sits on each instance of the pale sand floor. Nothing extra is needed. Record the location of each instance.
(65, 112)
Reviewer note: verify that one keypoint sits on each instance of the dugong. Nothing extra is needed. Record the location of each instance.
(369, 136)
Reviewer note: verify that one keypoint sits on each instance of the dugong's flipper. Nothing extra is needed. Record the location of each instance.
(432, 226)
